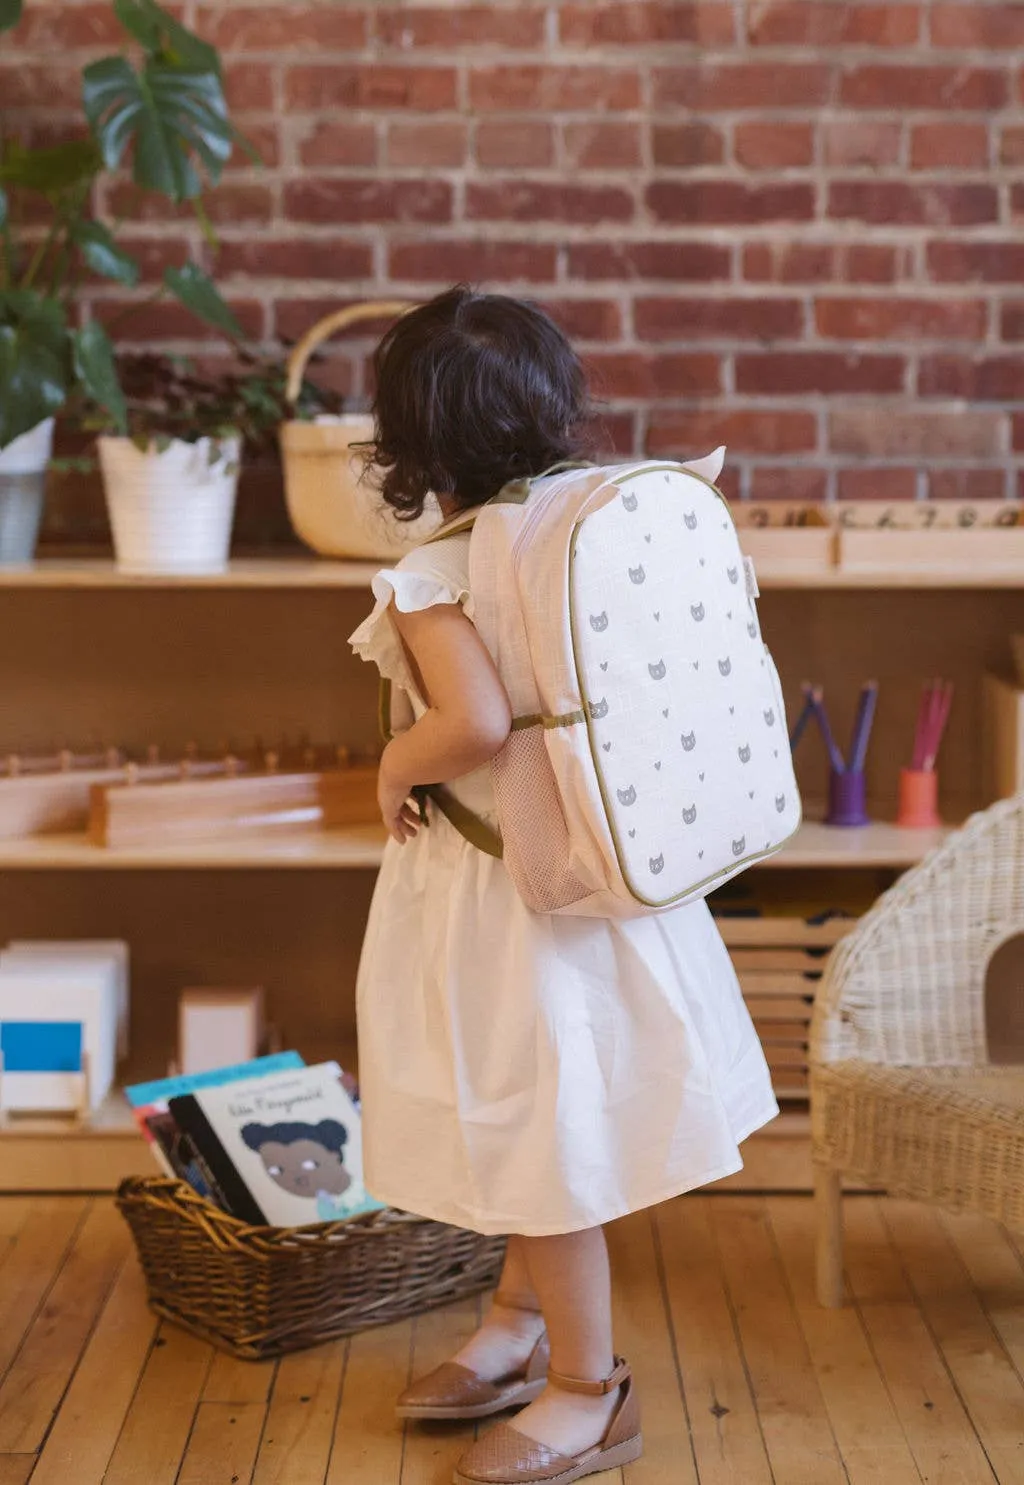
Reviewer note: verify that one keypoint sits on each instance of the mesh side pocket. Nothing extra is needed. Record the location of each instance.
(533, 829)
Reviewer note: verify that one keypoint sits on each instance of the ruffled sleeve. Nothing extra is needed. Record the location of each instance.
(430, 575)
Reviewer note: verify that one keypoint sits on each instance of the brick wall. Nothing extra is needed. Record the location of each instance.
(793, 226)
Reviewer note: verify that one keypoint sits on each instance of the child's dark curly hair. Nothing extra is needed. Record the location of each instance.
(473, 390)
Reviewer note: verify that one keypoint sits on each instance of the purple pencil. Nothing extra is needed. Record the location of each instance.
(835, 756)
(863, 725)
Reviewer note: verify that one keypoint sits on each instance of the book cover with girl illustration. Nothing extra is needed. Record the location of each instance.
(284, 1150)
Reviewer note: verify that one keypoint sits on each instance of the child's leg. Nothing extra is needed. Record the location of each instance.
(507, 1335)
(571, 1278)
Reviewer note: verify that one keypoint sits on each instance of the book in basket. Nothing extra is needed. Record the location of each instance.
(281, 1151)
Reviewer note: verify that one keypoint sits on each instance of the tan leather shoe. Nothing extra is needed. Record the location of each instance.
(455, 1391)
(507, 1457)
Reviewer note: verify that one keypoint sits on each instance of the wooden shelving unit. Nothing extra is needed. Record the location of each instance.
(259, 650)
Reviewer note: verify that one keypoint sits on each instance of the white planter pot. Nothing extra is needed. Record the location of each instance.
(22, 492)
(334, 507)
(171, 511)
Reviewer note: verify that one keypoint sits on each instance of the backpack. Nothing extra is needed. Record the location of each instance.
(649, 759)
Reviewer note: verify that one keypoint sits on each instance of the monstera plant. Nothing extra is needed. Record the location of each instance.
(158, 109)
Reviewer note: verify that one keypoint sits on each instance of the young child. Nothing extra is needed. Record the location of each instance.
(521, 1074)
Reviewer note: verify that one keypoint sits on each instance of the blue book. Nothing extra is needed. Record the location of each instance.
(161, 1090)
(41, 1046)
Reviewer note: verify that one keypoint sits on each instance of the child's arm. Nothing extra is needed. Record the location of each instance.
(469, 717)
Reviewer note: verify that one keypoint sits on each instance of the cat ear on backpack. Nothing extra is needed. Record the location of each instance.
(710, 467)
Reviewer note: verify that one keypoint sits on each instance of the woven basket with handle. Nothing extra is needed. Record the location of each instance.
(258, 1292)
(333, 506)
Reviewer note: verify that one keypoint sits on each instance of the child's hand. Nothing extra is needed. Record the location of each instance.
(401, 819)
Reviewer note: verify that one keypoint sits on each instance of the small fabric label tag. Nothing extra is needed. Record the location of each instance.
(753, 591)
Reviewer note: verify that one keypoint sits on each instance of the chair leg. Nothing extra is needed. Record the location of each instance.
(828, 1195)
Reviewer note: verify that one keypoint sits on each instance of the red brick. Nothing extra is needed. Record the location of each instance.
(231, 204)
(471, 262)
(763, 144)
(887, 203)
(333, 141)
(966, 484)
(1011, 320)
(694, 262)
(875, 482)
(856, 141)
(933, 88)
(888, 432)
(154, 254)
(733, 318)
(730, 482)
(781, 373)
(637, 23)
(56, 28)
(265, 139)
(461, 26)
(533, 89)
(1011, 147)
(988, 379)
(440, 145)
(977, 25)
(602, 145)
(729, 202)
(283, 28)
(423, 89)
(901, 319)
(330, 258)
(788, 482)
(743, 430)
(248, 87)
(634, 375)
(38, 86)
(688, 144)
(508, 143)
(951, 261)
(817, 262)
(875, 263)
(614, 433)
(825, 23)
(713, 87)
(169, 320)
(586, 319)
(1017, 198)
(293, 317)
(547, 201)
(1018, 443)
(342, 201)
(962, 145)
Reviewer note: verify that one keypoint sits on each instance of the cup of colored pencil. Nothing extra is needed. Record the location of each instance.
(919, 784)
(847, 795)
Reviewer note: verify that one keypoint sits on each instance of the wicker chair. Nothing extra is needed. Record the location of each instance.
(904, 1093)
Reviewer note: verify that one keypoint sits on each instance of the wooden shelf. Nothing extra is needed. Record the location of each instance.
(314, 572)
(876, 845)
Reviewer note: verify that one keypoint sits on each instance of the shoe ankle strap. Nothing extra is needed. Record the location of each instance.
(620, 1373)
(513, 1302)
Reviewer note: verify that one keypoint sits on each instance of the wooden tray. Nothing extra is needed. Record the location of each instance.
(930, 536)
(784, 539)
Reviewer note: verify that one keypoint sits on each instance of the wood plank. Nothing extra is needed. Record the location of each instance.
(981, 1370)
(299, 1432)
(643, 1335)
(794, 1421)
(935, 1423)
(86, 1428)
(368, 1439)
(778, 983)
(32, 1267)
(724, 1426)
(14, 1213)
(230, 1380)
(157, 1427)
(867, 1429)
(36, 1382)
(995, 1270)
(431, 1452)
(16, 1468)
(222, 1449)
(753, 961)
(779, 932)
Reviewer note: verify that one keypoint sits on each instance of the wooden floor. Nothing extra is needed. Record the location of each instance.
(743, 1379)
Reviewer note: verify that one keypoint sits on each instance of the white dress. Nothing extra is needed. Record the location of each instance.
(529, 1074)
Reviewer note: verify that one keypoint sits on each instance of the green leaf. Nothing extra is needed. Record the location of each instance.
(161, 34)
(3, 206)
(33, 362)
(10, 14)
(138, 23)
(102, 253)
(56, 168)
(173, 115)
(95, 369)
(196, 291)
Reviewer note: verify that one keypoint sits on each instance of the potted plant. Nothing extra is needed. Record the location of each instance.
(171, 476)
(164, 111)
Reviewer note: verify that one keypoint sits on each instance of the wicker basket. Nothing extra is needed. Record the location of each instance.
(334, 508)
(257, 1292)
